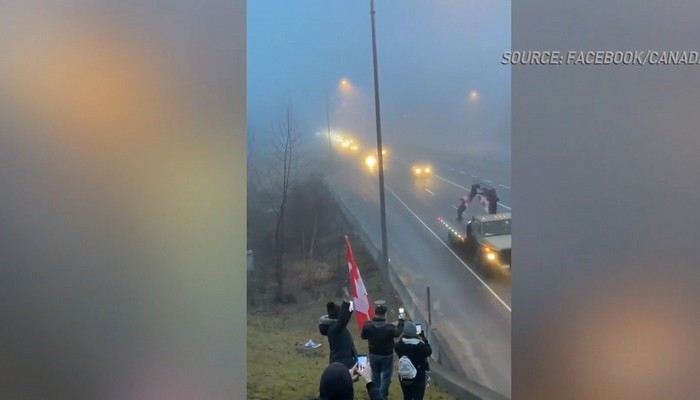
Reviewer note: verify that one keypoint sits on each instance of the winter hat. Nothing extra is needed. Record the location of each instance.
(333, 310)
(409, 329)
(336, 383)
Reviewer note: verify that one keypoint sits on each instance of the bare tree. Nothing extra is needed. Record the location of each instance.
(286, 136)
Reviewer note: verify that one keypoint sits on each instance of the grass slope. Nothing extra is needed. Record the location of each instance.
(276, 367)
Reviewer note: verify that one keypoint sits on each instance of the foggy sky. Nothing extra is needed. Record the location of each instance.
(432, 54)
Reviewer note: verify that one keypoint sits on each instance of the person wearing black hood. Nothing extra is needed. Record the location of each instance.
(416, 347)
(337, 383)
(334, 327)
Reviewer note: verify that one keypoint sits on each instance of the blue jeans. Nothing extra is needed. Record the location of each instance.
(382, 369)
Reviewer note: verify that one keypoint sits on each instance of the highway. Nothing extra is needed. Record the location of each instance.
(468, 308)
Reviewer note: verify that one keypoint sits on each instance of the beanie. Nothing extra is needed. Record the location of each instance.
(409, 329)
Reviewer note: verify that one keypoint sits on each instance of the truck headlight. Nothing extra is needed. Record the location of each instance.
(491, 256)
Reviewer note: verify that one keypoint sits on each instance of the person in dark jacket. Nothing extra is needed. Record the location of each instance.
(417, 349)
(470, 227)
(334, 327)
(463, 202)
(337, 383)
(380, 336)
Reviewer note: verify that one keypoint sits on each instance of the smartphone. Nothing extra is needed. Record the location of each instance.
(401, 310)
(419, 328)
(352, 306)
(361, 361)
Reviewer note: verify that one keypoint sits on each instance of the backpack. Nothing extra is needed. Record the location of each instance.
(406, 368)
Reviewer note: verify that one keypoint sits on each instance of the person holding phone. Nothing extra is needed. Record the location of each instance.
(414, 345)
(334, 327)
(380, 336)
(419, 331)
(337, 382)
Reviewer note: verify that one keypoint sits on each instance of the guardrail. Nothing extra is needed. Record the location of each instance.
(448, 373)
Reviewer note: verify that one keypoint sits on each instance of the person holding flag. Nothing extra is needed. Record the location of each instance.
(334, 326)
(465, 201)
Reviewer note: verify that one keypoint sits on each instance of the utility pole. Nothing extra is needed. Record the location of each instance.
(328, 120)
(380, 159)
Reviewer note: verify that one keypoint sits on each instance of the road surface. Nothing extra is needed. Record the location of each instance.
(470, 309)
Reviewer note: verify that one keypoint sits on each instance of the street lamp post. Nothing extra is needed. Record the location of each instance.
(380, 159)
(328, 120)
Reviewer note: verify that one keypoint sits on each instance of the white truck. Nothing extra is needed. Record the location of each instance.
(484, 239)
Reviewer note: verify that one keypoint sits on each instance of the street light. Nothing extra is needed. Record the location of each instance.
(380, 159)
(344, 84)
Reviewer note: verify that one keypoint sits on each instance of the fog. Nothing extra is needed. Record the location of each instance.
(432, 56)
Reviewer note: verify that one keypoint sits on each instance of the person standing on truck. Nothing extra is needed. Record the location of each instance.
(463, 201)
(474, 191)
(380, 335)
(469, 227)
(492, 200)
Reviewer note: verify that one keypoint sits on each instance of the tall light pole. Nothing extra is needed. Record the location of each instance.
(328, 120)
(380, 159)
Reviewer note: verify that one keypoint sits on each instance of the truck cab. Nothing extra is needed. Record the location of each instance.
(486, 239)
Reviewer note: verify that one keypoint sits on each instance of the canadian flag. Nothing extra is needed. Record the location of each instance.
(484, 202)
(361, 303)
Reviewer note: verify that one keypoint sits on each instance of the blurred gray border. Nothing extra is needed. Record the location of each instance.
(605, 181)
(127, 283)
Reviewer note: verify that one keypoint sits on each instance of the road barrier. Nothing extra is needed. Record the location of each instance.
(448, 373)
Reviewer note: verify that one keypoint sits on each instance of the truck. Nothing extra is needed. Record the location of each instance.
(485, 240)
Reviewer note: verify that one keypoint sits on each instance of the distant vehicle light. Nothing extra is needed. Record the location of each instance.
(491, 256)
(371, 161)
(421, 170)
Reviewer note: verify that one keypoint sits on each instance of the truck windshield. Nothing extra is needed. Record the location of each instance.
(497, 228)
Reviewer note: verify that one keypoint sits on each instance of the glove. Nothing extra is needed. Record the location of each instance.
(402, 317)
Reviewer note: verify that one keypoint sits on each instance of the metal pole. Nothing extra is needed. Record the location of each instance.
(328, 119)
(380, 158)
(430, 313)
